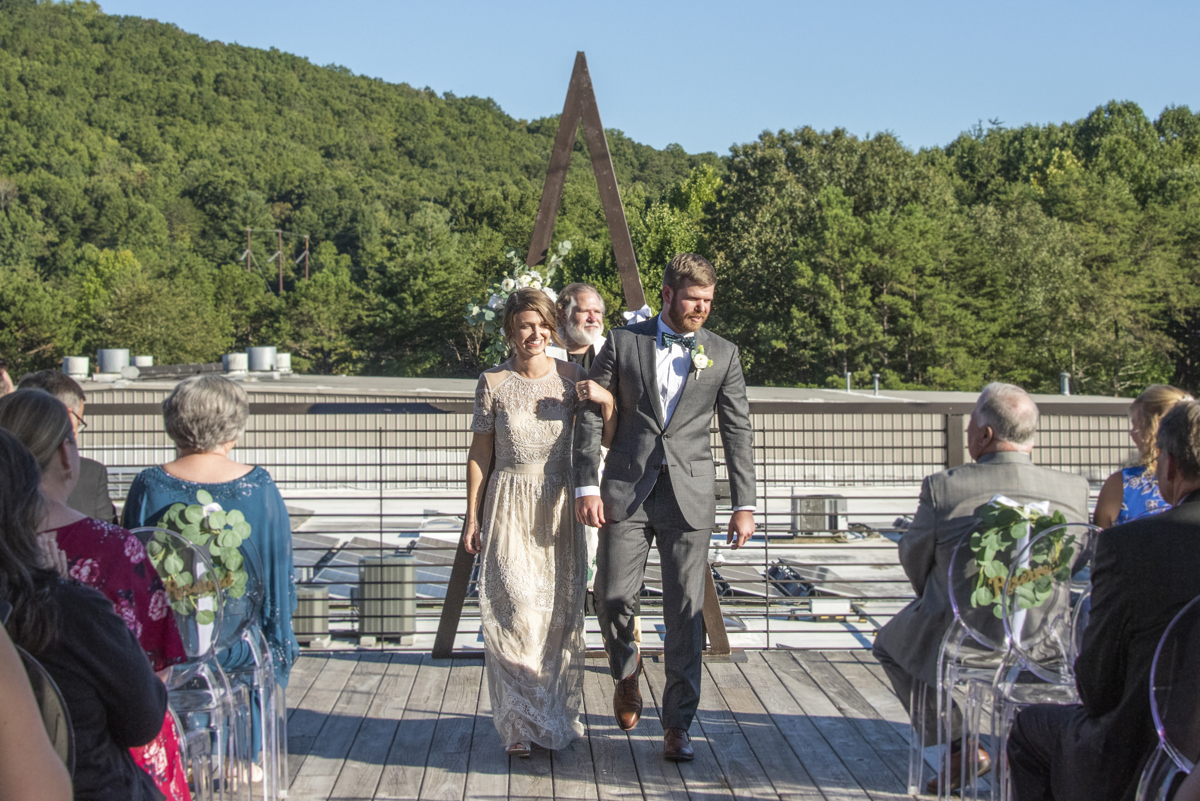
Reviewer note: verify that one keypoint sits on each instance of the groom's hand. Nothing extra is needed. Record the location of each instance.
(741, 528)
(589, 510)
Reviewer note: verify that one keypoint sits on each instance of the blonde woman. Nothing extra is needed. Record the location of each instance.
(533, 568)
(1133, 492)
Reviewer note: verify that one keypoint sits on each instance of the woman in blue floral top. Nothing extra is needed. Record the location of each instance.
(1133, 492)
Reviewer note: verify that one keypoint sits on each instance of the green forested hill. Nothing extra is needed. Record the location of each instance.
(133, 156)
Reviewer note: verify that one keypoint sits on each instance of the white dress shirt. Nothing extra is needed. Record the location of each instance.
(672, 363)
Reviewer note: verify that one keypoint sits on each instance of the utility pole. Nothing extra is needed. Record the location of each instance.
(279, 234)
(306, 257)
(248, 250)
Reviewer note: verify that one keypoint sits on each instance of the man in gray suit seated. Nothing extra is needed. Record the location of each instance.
(90, 495)
(1000, 438)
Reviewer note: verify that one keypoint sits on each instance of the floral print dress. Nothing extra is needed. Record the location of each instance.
(110, 559)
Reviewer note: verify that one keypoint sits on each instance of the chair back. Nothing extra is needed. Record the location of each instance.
(974, 593)
(1040, 598)
(194, 592)
(53, 707)
(243, 605)
(1175, 687)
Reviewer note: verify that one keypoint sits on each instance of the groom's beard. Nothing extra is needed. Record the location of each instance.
(579, 337)
(681, 324)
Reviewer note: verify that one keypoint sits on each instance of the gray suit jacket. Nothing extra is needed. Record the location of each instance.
(626, 366)
(946, 512)
(90, 495)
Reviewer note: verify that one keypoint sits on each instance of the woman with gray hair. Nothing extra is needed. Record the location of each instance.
(205, 416)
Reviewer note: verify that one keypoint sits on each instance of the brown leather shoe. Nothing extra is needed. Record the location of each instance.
(983, 759)
(627, 700)
(677, 746)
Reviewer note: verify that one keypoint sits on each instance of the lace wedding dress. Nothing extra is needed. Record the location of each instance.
(534, 560)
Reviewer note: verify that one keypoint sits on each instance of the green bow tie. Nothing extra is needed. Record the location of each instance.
(673, 339)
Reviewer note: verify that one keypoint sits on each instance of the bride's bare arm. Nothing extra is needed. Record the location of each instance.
(478, 459)
(591, 391)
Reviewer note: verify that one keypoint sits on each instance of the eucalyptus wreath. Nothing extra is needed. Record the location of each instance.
(1000, 527)
(206, 525)
(489, 314)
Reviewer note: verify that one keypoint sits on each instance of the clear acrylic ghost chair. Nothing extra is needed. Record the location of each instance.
(1175, 704)
(53, 707)
(242, 625)
(199, 692)
(1045, 602)
(971, 652)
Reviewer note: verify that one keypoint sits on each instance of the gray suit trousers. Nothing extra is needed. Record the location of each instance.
(620, 570)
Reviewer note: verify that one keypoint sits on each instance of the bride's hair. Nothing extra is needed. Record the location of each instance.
(534, 300)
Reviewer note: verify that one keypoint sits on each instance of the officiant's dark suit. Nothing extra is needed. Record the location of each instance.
(658, 486)
(1143, 573)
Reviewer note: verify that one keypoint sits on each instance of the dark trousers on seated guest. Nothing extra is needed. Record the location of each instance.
(903, 683)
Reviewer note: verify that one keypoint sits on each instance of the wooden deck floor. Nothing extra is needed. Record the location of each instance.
(780, 725)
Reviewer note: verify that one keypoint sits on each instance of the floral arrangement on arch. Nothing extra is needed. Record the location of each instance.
(488, 315)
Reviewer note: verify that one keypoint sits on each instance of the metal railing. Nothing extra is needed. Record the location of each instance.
(375, 480)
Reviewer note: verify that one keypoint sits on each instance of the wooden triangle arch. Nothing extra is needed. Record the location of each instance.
(581, 105)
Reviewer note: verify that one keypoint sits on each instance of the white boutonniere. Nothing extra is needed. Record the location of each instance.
(699, 360)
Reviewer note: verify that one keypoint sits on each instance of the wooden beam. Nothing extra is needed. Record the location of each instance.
(456, 594)
(581, 105)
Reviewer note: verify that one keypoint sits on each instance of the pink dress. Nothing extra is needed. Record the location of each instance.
(113, 561)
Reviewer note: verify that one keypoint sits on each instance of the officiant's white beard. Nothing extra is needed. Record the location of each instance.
(579, 336)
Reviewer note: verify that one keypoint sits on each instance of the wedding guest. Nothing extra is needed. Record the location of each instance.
(112, 696)
(580, 325)
(90, 495)
(29, 768)
(1133, 492)
(103, 556)
(6, 384)
(531, 583)
(1000, 438)
(1143, 573)
(205, 416)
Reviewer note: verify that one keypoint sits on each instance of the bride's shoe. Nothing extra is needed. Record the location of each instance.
(518, 749)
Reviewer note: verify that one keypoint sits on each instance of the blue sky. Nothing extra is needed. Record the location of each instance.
(709, 75)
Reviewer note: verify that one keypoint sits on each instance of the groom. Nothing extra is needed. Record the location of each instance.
(667, 375)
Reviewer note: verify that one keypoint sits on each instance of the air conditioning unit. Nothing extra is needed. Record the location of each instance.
(814, 514)
(387, 602)
(311, 621)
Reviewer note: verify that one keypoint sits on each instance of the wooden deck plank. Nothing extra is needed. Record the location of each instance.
(785, 772)
(808, 726)
(573, 769)
(852, 748)
(364, 763)
(320, 770)
(743, 772)
(450, 749)
(308, 717)
(612, 758)
(404, 767)
(487, 777)
(301, 677)
(822, 762)
(531, 779)
(702, 776)
(891, 747)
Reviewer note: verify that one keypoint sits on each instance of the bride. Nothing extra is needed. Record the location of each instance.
(533, 571)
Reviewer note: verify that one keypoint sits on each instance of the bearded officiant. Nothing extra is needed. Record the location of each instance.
(581, 328)
(580, 324)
